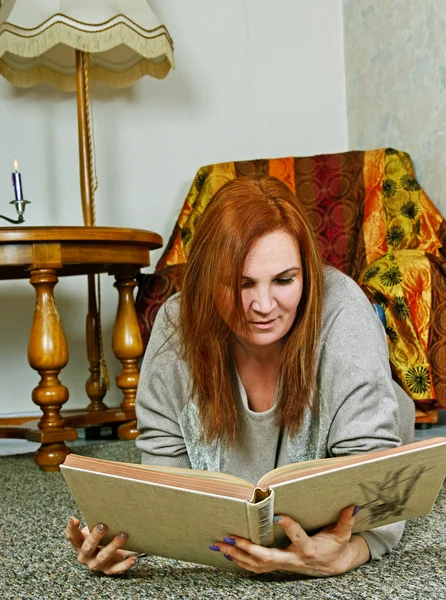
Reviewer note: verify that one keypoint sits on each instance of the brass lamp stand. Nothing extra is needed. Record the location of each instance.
(96, 385)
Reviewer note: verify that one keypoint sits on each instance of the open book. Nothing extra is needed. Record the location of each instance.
(179, 513)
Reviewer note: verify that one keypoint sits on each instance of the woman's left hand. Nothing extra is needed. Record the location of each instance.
(331, 551)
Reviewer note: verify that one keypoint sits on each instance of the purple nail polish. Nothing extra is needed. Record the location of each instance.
(229, 540)
(356, 511)
(214, 548)
(123, 536)
(100, 528)
(227, 557)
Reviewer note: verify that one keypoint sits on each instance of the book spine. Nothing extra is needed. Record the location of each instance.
(260, 520)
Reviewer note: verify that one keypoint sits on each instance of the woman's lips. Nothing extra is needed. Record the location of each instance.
(263, 324)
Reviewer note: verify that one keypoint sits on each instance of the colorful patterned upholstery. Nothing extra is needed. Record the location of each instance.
(374, 223)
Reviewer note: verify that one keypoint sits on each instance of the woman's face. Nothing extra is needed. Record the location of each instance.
(272, 281)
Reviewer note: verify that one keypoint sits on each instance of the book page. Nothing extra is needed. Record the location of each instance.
(311, 467)
(209, 482)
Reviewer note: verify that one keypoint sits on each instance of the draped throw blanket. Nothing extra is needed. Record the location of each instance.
(374, 223)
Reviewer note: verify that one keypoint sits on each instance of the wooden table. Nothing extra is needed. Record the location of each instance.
(43, 254)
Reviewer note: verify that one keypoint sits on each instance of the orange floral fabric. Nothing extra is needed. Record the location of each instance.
(374, 223)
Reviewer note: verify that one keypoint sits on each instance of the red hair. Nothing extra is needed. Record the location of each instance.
(242, 211)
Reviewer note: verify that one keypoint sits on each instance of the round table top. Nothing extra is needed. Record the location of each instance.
(10, 235)
(74, 250)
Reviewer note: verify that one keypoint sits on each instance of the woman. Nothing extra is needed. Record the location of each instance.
(267, 357)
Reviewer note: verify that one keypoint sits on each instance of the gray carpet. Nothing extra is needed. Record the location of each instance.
(36, 561)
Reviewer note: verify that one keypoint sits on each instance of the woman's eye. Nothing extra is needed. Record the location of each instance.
(285, 281)
(246, 284)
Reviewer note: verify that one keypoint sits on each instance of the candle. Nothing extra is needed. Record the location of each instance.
(17, 182)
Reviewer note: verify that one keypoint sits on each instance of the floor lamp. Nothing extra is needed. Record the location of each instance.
(69, 44)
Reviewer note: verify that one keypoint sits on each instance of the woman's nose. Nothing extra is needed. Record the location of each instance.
(264, 301)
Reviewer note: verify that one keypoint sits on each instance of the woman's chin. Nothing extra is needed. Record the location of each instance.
(264, 339)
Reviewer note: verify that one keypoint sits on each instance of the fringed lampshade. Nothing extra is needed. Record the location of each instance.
(38, 40)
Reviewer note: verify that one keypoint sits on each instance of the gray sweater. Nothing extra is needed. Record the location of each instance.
(361, 408)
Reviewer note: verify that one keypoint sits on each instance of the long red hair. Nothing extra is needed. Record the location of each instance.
(242, 211)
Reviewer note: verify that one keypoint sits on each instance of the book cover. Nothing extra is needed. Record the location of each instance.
(179, 513)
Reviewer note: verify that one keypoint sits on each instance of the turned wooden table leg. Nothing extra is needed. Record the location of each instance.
(128, 348)
(48, 354)
(95, 386)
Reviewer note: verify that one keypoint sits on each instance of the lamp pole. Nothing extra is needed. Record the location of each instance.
(85, 155)
(95, 386)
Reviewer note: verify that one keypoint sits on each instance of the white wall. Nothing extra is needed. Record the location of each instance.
(396, 81)
(254, 78)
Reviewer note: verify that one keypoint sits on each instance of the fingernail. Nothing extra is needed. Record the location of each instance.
(227, 557)
(277, 518)
(123, 536)
(356, 511)
(214, 548)
(229, 540)
(71, 521)
(100, 528)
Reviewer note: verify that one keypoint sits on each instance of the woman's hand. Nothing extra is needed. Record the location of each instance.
(109, 559)
(332, 551)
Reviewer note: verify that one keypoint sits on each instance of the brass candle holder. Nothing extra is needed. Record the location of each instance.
(20, 206)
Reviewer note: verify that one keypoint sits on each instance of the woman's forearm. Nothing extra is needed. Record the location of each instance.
(360, 551)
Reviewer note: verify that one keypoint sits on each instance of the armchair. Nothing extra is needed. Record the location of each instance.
(375, 224)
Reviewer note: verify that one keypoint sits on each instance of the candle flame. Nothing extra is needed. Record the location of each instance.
(16, 165)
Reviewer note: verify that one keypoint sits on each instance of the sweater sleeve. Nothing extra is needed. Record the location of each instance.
(359, 392)
(382, 540)
(162, 391)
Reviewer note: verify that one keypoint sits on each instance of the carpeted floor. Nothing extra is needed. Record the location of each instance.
(36, 561)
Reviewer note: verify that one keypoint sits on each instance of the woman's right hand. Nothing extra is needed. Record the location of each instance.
(110, 559)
